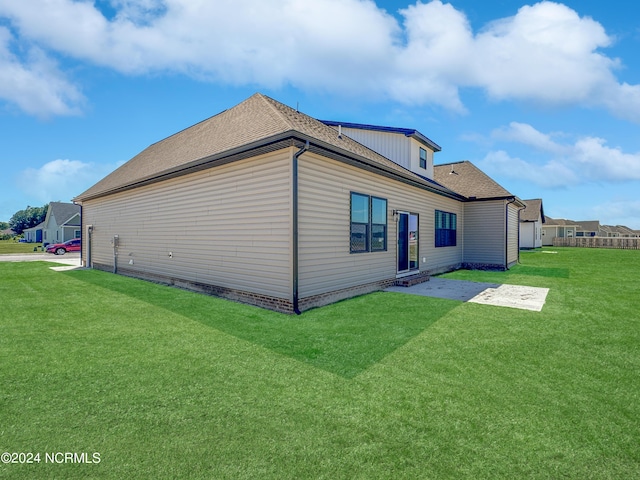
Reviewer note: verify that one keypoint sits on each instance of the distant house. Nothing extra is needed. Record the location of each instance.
(266, 205)
(61, 223)
(7, 233)
(33, 234)
(557, 227)
(584, 228)
(588, 228)
(531, 221)
(617, 231)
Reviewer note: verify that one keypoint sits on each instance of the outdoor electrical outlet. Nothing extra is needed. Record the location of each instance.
(131, 262)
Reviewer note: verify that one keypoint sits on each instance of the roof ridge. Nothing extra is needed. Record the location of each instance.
(270, 102)
(451, 163)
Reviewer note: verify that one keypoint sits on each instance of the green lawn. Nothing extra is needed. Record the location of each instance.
(12, 246)
(164, 383)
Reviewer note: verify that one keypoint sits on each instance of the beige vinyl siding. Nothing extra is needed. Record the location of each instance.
(484, 231)
(512, 234)
(228, 226)
(325, 261)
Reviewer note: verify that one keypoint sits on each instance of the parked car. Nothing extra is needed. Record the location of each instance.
(62, 248)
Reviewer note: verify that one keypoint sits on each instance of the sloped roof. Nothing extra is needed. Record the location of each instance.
(255, 123)
(588, 225)
(548, 221)
(35, 227)
(533, 210)
(624, 230)
(63, 212)
(468, 180)
(581, 225)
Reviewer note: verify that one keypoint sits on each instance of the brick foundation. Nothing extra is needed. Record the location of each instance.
(483, 266)
(337, 295)
(282, 305)
(412, 279)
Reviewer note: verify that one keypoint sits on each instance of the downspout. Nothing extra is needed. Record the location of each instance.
(534, 232)
(506, 234)
(294, 211)
(81, 236)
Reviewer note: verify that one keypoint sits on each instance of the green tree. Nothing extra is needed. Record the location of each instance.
(27, 218)
(4, 226)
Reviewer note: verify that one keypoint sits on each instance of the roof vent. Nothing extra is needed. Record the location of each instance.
(453, 172)
(339, 131)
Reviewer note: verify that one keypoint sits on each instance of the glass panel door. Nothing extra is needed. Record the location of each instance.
(403, 242)
(407, 242)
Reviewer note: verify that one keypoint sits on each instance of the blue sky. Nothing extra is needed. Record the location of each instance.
(544, 97)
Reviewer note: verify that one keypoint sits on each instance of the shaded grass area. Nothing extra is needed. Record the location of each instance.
(344, 338)
(11, 246)
(165, 384)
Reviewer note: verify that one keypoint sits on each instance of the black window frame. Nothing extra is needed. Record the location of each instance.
(446, 227)
(423, 161)
(371, 228)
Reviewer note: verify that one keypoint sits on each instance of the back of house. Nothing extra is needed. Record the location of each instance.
(266, 205)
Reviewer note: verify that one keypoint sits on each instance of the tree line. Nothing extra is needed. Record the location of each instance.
(27, 218)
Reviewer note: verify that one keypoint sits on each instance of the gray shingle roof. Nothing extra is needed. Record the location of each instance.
(468, 180)
(532, 211)
(588, 225)
(557, 221)
(63, 212)
(254, 123)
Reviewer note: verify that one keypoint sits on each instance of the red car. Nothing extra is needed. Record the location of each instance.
(62, 248)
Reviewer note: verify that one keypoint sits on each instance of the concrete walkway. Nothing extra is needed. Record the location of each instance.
(71, 258)
(514, 296)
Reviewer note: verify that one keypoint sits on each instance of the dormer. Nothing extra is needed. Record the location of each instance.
(405, 146)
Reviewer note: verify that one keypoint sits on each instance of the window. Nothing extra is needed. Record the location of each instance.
(368, 223)
(423, 158)
(445, 229)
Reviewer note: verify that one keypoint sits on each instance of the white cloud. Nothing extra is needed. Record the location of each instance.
(619, 211)
(60, 179)
(588, 159)
(545, 53)
(553, 174)
(527, 135)
(36, 85)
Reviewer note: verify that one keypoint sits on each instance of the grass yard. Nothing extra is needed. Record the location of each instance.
(165, 383)
(12, 246)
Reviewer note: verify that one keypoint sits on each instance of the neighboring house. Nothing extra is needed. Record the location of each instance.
(557, 227)
(61, 223)
(617, 231)
(588, 228)
(269, 206)
(585, 228)
(490, 216)
(33, 234)
(531, 221)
